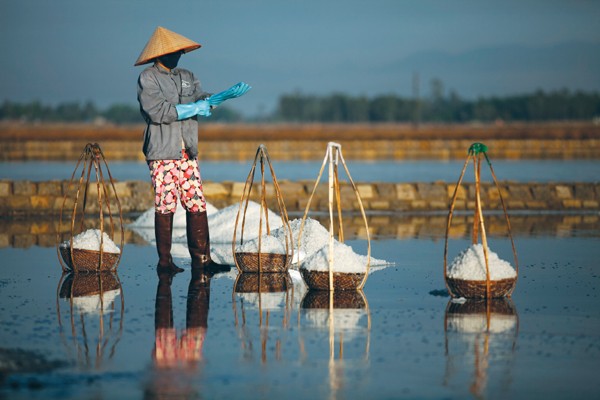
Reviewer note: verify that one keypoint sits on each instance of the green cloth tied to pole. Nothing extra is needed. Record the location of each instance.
(477, 148)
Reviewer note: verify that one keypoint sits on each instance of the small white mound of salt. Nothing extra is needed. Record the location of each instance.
(470, 265)
(146, 219)
(222, 223)
(90, 240)
(268, 244)
(344, 260)
(314, 237)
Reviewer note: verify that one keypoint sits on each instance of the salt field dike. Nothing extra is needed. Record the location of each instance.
(425, 225)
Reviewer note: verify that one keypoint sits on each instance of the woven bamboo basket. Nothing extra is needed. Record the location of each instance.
(478, 289)
(263, 283)
(89, 260)
(261, 261)
(330, 279)
(319, 280)
(269, 262)
(88, 284)
(320, 299)
(487, 288)
(106, 198)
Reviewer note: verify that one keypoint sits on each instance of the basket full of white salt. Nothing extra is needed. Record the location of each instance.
(348, 270)
(478, 272)
(466, 275)
(93, 249)
(335, 266)
(84, 254)
(264, 253)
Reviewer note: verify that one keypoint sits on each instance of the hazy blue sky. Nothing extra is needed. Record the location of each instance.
(77, 50)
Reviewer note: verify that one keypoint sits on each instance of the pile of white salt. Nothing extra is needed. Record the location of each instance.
(90, 240)
(470, 265)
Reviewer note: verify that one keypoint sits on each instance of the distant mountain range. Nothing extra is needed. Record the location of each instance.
(505, 70)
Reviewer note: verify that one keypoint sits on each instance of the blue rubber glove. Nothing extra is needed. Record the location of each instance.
(203, 108)
(184, 111)
(237, 90)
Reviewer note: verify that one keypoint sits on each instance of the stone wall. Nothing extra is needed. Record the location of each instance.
(44, 199)
(436, 149)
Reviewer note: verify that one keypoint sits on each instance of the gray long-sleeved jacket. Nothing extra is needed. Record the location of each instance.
(159, 91)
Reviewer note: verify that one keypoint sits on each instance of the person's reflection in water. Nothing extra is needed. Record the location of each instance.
(176, 359)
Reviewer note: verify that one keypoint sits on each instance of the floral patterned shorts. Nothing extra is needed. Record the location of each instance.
(177, 178)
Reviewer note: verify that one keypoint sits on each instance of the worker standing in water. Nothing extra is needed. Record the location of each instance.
(171, 99)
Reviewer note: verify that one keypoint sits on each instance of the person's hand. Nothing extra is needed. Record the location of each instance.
(236, 90)
(203, 108)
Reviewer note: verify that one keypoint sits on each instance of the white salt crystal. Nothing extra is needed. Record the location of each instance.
(222, 223)
(268, 244)
(344, 260)
(90, 240)
(470, 265)
(146, 220)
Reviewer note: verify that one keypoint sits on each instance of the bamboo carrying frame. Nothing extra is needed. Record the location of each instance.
(476, 288)
(80, 260)
(259, 262)
(322, 280)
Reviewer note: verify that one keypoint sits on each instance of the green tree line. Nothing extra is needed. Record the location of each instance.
(558, 105)
(87, 112)
(538, 106)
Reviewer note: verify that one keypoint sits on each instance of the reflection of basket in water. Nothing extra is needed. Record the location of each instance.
(269, 262)
(320, 299)
(88, 284)
(478, 289)
(501, 306)
(319, 280)
(263, 283)
(88, 260)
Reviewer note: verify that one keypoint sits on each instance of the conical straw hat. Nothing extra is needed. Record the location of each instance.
(164, 41)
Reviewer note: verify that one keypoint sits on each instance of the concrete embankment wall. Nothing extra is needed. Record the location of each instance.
(435, 149)
(44, 199)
